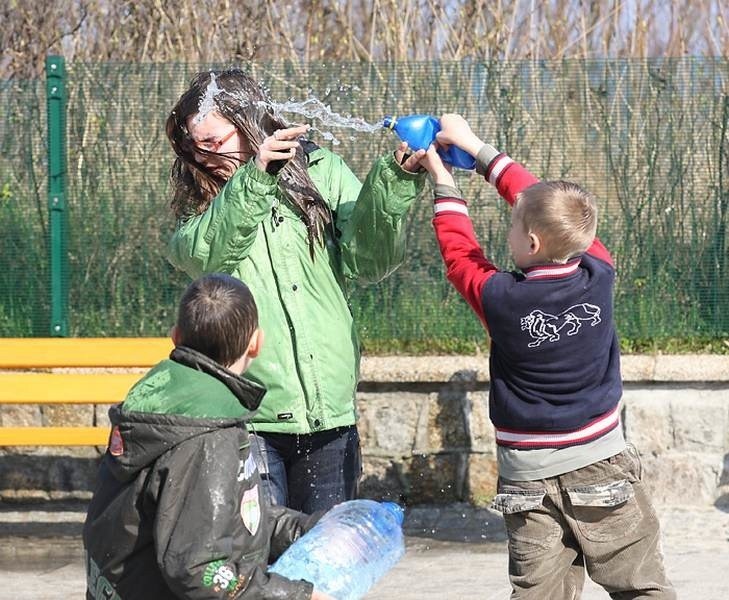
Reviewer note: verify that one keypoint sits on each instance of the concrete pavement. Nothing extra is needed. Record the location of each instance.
(453, 552)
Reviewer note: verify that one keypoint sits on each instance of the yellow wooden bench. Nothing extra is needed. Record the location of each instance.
(29, 374)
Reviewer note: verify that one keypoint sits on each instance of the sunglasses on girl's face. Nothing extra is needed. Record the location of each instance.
(215, 146)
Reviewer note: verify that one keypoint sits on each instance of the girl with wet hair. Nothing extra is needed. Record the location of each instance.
(255, 199)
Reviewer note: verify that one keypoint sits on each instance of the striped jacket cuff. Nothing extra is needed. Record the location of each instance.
(497, 167)
(450, 206)
(485, 155)
(442, 190)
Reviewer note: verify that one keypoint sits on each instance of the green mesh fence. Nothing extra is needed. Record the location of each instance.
(647, 137)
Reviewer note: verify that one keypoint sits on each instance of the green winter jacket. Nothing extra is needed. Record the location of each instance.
(309, 363)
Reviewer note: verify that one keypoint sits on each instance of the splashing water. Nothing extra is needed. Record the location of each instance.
(311, 108)
(207, 100)
(315, 109)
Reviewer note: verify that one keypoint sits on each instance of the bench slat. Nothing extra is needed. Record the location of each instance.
(41, 353)
(65, 388)
(54, 436)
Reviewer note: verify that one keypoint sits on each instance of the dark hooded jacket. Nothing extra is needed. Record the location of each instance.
(178, 510)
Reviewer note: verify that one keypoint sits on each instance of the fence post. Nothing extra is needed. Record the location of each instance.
(58, 218)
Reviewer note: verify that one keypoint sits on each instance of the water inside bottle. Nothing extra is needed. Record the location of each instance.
(344, 554)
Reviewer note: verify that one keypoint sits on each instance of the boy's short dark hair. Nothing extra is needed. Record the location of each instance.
(217, 317)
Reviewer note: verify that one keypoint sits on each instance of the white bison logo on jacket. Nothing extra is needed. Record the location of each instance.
(544, 327)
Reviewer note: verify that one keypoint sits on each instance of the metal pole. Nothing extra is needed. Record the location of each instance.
(58, 218)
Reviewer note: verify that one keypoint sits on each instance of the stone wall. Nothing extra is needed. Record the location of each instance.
(426, 436)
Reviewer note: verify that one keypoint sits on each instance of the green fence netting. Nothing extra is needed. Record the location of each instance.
(647, 137)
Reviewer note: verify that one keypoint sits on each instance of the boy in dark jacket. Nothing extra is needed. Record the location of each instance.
(570, 489)
(178, 511)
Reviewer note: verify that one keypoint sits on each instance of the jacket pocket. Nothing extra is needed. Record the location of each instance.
(605, 511)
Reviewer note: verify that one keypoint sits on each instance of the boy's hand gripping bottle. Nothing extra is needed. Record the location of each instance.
(419, 133)
(348, 550)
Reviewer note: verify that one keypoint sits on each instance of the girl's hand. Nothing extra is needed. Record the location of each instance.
(409, 162)
(316, 595)
(455, 130)
(279, 146)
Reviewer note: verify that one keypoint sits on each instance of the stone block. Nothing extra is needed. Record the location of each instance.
(21, 415)
(647, 420)
(382, 479)
(101, 415)
(30, 476)
(638, 367)
(700, 421)
(480, 429)
(435, 478)
(481, 479)
(388, 422)
(446, 420)
(688, 478)
(692, 367)
(68, 415)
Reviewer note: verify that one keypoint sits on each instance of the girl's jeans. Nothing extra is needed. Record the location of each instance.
(309, 472)
(597, 518)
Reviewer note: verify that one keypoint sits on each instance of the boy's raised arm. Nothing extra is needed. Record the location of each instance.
(466, 266)
(498, 168)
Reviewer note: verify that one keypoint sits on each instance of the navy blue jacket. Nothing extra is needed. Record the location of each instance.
(554, 360)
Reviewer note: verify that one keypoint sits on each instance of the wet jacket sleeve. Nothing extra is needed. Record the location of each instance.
(197, 520)
(221, 237)
(287, 526)
(372, 219)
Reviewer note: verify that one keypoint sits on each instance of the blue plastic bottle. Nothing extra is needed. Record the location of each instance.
(348, 550)
(419, 132)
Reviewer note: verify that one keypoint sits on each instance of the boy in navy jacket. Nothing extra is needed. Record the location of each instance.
(569, 486)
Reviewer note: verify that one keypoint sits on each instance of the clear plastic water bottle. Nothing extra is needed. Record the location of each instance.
(351, 547)
(419, 132)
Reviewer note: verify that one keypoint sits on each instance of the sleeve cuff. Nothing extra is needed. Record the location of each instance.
(443, 190)
(485, 155)
(398, 170)
(452, 206)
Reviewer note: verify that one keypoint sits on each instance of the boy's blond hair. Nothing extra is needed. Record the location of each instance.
(562, 214)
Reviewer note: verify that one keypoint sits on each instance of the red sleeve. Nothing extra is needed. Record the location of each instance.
(598, 250)
(466, 266)
(508, 177)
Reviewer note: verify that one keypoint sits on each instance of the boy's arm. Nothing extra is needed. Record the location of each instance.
(287, 526)
(466, 266)
(508, 177)
(197, 519)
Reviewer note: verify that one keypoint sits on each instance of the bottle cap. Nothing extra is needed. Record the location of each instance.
(396, 511)
(389, 122)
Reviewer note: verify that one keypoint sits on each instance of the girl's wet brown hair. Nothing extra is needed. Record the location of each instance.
(245, 104)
